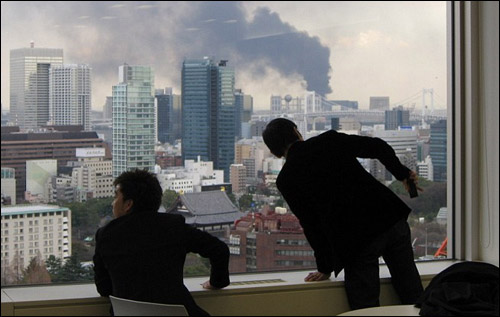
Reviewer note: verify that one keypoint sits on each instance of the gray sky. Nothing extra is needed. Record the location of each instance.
(344, 50)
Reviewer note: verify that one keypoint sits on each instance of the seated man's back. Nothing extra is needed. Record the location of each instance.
(140, 256)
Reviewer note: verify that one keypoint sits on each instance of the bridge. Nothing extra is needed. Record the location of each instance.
(318, 107)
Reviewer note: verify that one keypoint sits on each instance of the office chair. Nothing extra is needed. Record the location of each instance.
(127, 307)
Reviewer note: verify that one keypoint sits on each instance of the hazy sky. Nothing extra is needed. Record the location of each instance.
(343, 50)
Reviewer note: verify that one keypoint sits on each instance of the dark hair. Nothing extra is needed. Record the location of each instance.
(142, 187)
(279, 134)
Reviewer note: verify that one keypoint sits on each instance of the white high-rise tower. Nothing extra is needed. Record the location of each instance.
(70, 95)
(29, 84)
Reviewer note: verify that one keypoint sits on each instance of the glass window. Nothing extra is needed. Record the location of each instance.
(377, 69)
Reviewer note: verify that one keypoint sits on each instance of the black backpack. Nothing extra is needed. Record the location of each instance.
(463, 289)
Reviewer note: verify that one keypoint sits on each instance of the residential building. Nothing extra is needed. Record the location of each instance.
(238, 177)
(33, 230)
(70, 95)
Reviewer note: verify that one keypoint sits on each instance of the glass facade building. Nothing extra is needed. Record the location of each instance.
(169, 115)
(438, 150)
(133, 120)
(29, 84)
(208, 111)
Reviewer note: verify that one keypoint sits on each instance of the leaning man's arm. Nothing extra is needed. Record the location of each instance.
(217, 251)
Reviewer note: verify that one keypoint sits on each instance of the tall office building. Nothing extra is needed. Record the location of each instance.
(208, 110)
(169, 115)
(438, 150)
(29, 84)
(133, 119)
(243, 110)
(397, 117)
(70, 95)
(379, 103)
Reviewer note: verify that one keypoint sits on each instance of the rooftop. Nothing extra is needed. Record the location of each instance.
(210, 207)
(30, 209)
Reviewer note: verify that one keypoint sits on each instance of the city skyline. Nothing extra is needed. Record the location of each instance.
(371, 48)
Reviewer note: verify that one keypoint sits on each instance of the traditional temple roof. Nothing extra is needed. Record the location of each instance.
(205, 208)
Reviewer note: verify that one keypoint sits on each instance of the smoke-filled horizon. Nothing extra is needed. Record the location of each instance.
(270, 55)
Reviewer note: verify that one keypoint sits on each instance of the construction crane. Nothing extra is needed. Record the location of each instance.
(442, 249)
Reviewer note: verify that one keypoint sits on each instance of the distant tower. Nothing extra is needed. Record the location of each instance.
(29, 84)
(288, 98)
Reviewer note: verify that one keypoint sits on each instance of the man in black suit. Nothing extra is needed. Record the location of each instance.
(349, 218)
(140, 254)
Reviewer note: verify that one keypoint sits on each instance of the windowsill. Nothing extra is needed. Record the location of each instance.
(14, 298)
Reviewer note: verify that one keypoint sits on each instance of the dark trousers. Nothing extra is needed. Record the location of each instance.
(362, 280)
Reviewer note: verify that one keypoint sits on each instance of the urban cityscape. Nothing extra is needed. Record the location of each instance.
(60, 153)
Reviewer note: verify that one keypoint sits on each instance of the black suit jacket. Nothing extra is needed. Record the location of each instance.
(140, 256)
(339, 204)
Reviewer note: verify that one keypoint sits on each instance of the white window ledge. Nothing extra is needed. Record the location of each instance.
(83, 299)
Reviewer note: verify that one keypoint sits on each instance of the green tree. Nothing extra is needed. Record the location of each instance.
(245, 202)
(232, 197)
(428, 202)
(196, 265)
(85, 216)
(72, 270)
(168, 198)
(54, 267)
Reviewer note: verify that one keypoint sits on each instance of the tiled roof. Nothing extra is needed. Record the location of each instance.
(206, 208)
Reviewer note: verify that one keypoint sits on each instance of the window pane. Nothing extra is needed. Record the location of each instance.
(203, 80)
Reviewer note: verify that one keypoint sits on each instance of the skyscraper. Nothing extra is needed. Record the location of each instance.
(438, 150)
(70, 95)
(133, 119)
(208, 112)
(243, 110)
(169, 115)
(397, 117)
(29, 84)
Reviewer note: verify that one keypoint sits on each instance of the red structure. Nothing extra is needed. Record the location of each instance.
(269, 241)
(442, 249)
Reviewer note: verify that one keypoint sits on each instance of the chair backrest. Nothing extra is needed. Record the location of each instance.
(127, 307)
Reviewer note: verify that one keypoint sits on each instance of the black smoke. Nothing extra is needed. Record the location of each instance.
(107, 34)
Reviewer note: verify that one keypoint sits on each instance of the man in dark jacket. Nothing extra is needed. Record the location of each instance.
(349, 218)
(140, 254)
